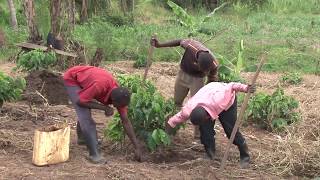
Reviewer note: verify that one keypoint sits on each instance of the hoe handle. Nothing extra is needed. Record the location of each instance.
(149, 60)
(241, 114)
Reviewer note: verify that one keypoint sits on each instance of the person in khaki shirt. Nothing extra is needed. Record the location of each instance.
(197, 63)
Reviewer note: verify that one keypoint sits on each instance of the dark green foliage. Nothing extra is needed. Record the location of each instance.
(148, 112)
(272, 112)
(36, 60)
(10, 88)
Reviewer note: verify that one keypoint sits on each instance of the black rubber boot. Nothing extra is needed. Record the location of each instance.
(244, 155)
(211, 151)
(92, 145)
(81, 139)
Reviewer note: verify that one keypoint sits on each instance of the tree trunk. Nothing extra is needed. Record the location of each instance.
(55, 12)
(71, 13)
(127, 6)
(13, 19)
(84, 11)
(34, 35)
(132, 5)
(97, 58)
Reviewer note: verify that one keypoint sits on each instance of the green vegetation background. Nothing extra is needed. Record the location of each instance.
(288, 29)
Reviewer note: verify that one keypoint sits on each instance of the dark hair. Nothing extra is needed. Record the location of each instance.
(198, 115)
(120, 96)
(205, 60)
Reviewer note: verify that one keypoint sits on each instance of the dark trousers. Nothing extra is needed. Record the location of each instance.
(227, 119)
(87, 124)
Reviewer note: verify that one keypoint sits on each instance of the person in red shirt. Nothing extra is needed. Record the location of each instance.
(89, 88)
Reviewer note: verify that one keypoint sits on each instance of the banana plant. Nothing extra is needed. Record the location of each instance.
(188, 20)
(229, 70)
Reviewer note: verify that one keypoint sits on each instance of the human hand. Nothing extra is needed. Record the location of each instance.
(169, 130)
(251, 88)
(154, 42)
(108, 111)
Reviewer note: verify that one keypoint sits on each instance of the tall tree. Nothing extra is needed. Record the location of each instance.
(13, 17)
(34, 35)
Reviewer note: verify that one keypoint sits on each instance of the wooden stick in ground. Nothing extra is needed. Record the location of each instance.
(149, 60)
(241, 114)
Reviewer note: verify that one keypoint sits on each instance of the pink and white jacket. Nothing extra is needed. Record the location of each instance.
(214, 97)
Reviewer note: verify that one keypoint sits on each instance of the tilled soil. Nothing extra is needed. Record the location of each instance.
(183, 160)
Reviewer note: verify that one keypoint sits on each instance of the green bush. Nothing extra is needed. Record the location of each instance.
(272, 112)
(148, 112)
(36, 60)
(10, 88)
(291, 78)
(141, 61)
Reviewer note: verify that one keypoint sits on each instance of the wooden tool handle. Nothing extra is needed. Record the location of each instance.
(149, 60)
(241, 113)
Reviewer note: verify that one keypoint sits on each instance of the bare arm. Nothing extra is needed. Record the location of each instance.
(130, 132)
(239, 87)
(94, 105)
(154, 42)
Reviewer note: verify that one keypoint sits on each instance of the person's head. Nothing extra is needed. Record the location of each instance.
(199, 116)
(205, 60)
(120, 97)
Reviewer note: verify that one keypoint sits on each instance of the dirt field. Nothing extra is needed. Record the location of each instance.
(184, 160)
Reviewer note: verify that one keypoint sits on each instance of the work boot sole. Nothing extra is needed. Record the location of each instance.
(245, 162)
(97, 160)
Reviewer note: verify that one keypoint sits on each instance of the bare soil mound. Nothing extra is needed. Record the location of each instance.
(45, 87)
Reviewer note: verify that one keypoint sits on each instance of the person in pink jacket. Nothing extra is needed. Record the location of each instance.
(215, 100)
